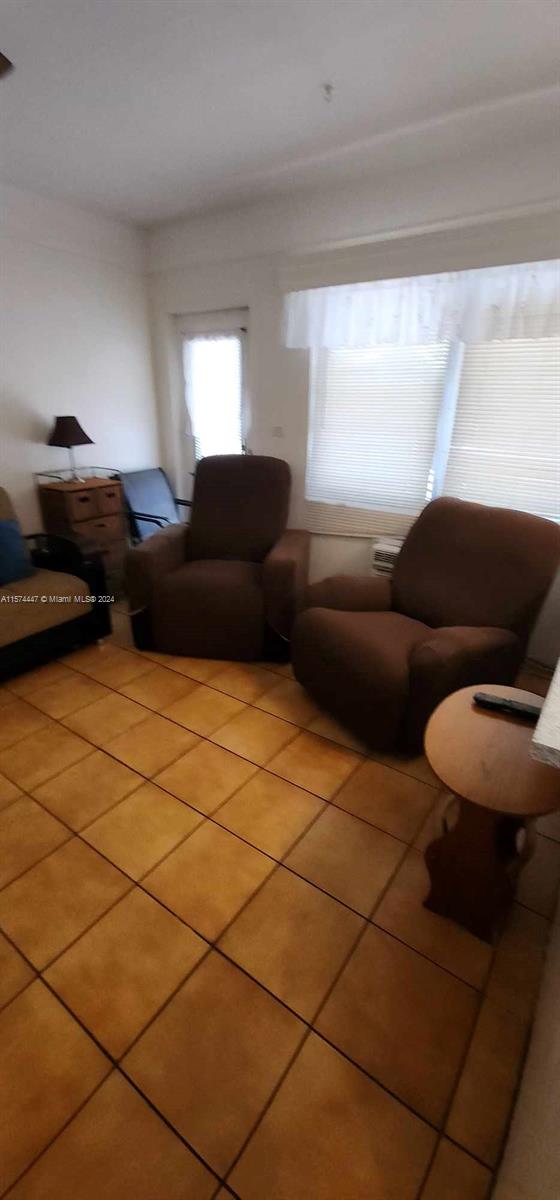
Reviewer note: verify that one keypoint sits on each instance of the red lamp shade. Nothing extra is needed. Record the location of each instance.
(68, 432)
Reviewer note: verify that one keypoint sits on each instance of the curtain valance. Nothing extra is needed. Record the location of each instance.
(493, 304)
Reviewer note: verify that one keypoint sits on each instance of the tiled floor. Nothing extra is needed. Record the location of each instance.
(217, 976)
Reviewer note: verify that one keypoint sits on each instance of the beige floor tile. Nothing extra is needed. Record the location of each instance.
(293, 939)
(485, 1093)
(245, 681)
(348, 858)
(316, 764)
(279, 668)
(19, 719)
(455, 1174)
(102, 721)
(117, 1148)
(330, 1133)
(142, 829)
(539, 880)
(46, 753)
(15, 973)
(518, 962)
(255, 735)
(117, 667)
(394, 802)
(117, 976)
(208, 879)
(206, 776)
(327, 727)
(30, 681)
(158, 688)
(151, 745)
(66, 696)
(49, 906)
(550, 826)
(48, 1067)
(416, 765)
(288, 700)
(6, 697)
(8, 792)
(403, 1020)
(203, 710)
(199, 669)
(210, 1061)
(270, 813)
(84, 791)
(27, 833)
(402, 913)
(91, 656)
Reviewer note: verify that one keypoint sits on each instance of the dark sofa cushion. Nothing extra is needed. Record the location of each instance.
(15, 562)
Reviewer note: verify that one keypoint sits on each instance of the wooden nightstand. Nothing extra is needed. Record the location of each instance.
(91, 511)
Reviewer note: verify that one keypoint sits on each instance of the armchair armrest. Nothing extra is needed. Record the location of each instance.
(285, 574)
(455, 657)
(146, 563)
(351, 593)
(52, 552)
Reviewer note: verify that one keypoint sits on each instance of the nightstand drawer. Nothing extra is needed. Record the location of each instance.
(103, 529)
(109, 499)
(80, 506)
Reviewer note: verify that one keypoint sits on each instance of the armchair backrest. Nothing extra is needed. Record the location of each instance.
(7, 511)
(240, 506)
(468, 564)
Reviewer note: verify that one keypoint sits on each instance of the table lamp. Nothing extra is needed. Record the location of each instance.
(68, 432)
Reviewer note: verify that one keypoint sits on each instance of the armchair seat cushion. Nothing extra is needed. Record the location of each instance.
(356, 665)
(211, 608)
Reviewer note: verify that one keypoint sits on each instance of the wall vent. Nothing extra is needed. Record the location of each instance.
(384, 554)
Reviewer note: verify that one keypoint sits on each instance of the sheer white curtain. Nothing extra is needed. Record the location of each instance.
(494, 304)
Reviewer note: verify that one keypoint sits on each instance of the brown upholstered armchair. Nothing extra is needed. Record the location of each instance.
(468, 584)
(216, 587)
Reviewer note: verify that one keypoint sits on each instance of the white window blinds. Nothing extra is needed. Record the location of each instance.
(505, 444)
(373, 424)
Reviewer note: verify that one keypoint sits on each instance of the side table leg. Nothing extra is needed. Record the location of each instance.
(473, 869)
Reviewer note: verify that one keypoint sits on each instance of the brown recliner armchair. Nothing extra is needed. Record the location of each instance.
(467, 587)
(217, 587)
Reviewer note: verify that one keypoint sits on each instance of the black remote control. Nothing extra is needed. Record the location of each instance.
(510, 708)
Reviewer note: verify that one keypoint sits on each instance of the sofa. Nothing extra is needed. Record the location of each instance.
(51, 611)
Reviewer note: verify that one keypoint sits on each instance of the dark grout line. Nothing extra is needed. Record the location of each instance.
(55, 1136)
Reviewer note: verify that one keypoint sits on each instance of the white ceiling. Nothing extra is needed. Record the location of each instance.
(148, 109)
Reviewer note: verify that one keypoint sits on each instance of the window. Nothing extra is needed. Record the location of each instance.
(213, 365)
(373, 426)
(427, 385)
(392, 427)
(505, 445)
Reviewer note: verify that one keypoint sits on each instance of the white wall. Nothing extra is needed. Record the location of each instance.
(242, 256)
(75, 338)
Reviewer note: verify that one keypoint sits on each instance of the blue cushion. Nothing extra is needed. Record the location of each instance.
(15, 562)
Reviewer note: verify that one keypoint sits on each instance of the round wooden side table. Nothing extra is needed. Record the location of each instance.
(484, 759)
